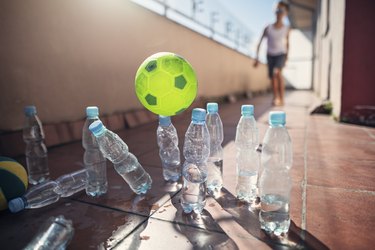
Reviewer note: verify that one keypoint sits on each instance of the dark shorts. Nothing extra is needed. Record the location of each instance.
(275, 62)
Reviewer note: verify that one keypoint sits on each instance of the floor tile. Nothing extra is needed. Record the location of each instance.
(348, 172)
(121, 197)
(247, 217)
(176, 236)
(339, 149)
(340, 218)
(94, 226)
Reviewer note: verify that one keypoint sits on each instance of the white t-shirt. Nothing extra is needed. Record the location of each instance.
(276, 39)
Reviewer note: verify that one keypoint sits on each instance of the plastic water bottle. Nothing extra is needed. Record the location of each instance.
(50, 192)
(215, 161)
(194, 171)
(69, 184)
(247, 140)
(93, 159)
(275, 182)
(168, 149)
(36, 151)
(55, 233)
(125, 163)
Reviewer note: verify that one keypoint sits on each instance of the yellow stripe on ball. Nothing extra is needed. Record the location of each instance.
(15, 168)
(3, 201)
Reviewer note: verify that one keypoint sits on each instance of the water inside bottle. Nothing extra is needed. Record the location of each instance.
(37, 168)
(171, 171)
(96, 179)
(194, 189)
(214, 178)
(137, 178)
(246, 188)
(274, 215)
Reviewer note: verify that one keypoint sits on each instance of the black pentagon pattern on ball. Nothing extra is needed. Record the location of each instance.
(180, 82)
(150, 99)
(151, 65)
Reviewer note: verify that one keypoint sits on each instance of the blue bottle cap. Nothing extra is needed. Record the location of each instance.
(164, 120)
(92, 111)
(247, 110)
(16, 205)
(30, 110)
(97, 128)
(276, 118)
(212, 107)
(198, 115)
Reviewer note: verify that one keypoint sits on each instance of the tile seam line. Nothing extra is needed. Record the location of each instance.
(188, 225)
(369, 133)
(144, 221)
(345, 189)
(304, 183)
(108, 207)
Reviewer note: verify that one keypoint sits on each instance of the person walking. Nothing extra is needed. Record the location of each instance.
(277, 35)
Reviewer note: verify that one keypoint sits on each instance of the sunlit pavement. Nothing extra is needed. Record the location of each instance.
(332, 198)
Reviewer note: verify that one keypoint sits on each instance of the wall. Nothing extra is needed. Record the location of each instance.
(65, 55)
(329, 50)
(297, 71)
(358, 86)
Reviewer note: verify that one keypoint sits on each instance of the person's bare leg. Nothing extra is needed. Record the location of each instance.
(281, 86)
(276, 87)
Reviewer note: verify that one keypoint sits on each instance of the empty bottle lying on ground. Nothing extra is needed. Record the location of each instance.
(194, 171)
(55, 233)
(50, 192)
(125, 163)
(168, 149)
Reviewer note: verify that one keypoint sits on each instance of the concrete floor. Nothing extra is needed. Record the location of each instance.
(332, 198)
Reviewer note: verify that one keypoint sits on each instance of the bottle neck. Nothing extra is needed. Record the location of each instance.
(277, 126)
(246, 116)
(92, 117)
(196, 122)
(165, 126)
(101, 133)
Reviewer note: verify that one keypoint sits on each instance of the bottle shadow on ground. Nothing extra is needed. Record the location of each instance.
(201, 230)
(248, 217)
(139, 208)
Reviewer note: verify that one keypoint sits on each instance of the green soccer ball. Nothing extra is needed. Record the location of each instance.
(166, 84)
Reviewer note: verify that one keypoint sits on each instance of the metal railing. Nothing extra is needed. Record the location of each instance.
(206, 17)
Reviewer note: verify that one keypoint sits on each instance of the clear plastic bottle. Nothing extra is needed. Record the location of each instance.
(55, 233)
(50, 192)
(168, 149)
(72, 183)
(36, 151)
(93, 159)
(194, 171)
(247, 140)
(215, 161)
(275, 183)
(125, 163)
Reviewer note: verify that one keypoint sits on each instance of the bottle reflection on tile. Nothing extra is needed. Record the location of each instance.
(202, 231)
(171, 186)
